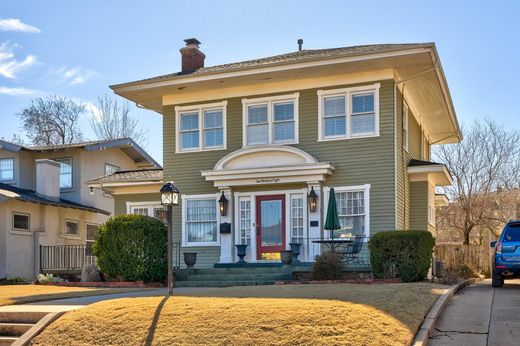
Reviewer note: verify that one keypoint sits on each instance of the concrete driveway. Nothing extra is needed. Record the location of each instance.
(481, 315)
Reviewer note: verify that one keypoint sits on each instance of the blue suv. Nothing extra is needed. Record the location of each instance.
(506, 262)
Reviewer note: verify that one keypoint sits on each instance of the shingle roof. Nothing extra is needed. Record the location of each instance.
(293, 57)
(131, 176)
(31, 196)
(68, 146)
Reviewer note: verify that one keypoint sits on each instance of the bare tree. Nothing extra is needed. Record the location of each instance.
(111, 120)
(52, 120)
(482, 165)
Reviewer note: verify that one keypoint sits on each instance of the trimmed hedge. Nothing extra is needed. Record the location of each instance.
(132, 248)
(401, 254)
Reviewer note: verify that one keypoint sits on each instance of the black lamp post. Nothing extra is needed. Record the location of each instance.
(312, 199)
(223, 203)
(169, 198)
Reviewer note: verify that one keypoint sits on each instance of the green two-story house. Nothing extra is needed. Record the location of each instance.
(265, 133)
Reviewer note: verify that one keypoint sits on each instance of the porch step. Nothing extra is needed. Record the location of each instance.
(14, 329)
(239, 277)
(7, 340)
(237, 270)
(21, 316)
(218, 283)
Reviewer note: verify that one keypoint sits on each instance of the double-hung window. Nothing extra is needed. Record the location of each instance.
(348, 113)
(353, 210)
(270, 120)
(6, 170)
(200, 220)
(65, 173)
(201, 127)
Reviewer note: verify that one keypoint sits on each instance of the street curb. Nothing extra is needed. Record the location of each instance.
(426, 329)
(26, 338)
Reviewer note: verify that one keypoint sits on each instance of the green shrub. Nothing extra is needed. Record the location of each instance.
(328, 266)
(402, 254)
(132, 248)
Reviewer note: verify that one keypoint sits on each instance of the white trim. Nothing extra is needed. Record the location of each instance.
(150, 205)
(348, 93)
(365, 188)
(396, 162)
(184, 239)
(200, 109)
(405, 127)
(270, 102)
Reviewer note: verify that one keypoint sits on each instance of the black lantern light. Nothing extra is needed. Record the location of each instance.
(223, 203)
(169, 194)
(312, 199)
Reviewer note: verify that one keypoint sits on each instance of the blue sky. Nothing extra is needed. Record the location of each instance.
(78, 48)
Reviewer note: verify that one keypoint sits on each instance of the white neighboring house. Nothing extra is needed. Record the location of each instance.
(48, 215)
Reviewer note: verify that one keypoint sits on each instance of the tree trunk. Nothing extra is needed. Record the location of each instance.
(466, 237)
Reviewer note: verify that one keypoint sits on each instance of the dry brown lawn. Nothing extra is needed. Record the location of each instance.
(336, 314)
(21, 294)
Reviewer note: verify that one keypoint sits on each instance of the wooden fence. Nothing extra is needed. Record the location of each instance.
(477, 257)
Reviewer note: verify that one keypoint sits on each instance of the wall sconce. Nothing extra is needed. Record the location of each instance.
(312, 199)
(223, 203)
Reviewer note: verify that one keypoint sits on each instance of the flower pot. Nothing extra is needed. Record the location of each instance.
(286, 256)
(241, 252)
(190, 258)
(296, 247)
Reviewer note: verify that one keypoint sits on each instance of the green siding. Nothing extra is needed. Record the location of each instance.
(357, 161)
(419, 205)
(120, 200)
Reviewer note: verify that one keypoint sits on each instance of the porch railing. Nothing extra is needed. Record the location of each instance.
(64, 258)
(310, 250)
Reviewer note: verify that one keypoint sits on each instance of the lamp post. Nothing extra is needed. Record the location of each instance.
(169, 198)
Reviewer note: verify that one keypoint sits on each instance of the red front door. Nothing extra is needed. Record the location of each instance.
(270, 226)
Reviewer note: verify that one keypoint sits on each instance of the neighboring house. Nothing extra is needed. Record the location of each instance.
(44, 199)
(266, 132)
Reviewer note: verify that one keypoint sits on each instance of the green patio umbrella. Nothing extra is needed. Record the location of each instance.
(332, 219)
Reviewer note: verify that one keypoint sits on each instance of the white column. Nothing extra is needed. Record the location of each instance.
(226, 239)
(314, 223)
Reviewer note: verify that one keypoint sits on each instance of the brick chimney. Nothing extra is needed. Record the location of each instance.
(192, 57)
(48, 178)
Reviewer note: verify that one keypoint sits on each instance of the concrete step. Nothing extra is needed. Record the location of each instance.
(237, 277)
(215, 283)
(21, 316)
(252, 270)
(7, 340)
(14, 329)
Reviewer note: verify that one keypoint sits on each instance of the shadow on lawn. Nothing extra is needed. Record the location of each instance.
(151, 330)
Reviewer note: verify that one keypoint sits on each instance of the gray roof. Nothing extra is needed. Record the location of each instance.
(31, 196)
(127, 145)
(291, 58)
(131, 176)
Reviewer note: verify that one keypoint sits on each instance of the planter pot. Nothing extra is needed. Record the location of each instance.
(296, 247)
(286, 256)
(190, 258)
(241, 252)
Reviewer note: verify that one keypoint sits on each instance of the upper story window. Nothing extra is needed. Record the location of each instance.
(6, 170)
(270, 120)
(348, 113)
(65, 173)
(110, 169)
(201, 127)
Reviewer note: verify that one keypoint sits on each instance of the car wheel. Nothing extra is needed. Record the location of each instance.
(497, 280)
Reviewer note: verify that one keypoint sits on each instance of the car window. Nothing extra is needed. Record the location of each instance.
(512, 233)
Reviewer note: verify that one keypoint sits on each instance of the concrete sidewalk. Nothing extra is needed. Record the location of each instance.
(481, 315)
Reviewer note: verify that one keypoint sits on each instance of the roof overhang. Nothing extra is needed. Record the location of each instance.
(127, 187)
(416, 69)
(441, 200)
(269, 165)
(436, 174)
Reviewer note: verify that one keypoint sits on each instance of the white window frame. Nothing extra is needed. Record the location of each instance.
(71, 187)
(184, 240)
(150, 205)
(292, 217)
(347, 93)
(70, 234)
(8, 180)
(270, 102)
(21, 229)
(239, 222)
(200, 109)
(406, 135)
(365, 188)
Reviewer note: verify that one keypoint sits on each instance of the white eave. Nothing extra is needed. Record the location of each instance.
(437, 174)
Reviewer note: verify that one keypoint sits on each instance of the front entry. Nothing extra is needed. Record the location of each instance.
(270, 226)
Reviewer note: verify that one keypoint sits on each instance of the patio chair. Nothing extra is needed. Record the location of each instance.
(352, 253)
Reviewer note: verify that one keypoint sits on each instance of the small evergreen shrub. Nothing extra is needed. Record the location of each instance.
(401, 254)
(132, 248)
(328, 266)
